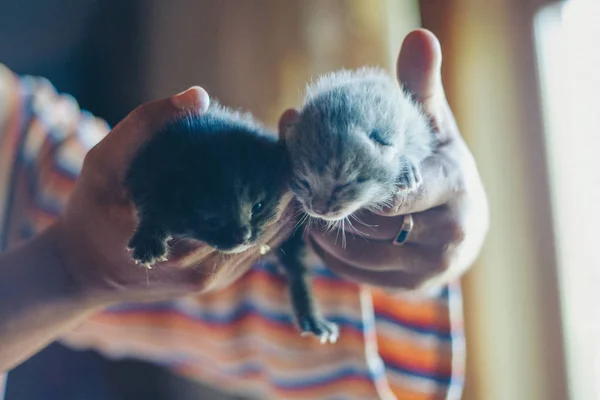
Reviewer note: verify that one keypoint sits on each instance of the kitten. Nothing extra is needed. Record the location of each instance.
(217, 178)
(357, 143)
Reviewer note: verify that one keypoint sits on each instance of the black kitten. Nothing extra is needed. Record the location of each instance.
(218, 178)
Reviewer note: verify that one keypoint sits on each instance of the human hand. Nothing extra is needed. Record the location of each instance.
(449, 209)
(92, 236)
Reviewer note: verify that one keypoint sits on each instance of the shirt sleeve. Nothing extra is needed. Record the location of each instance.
(241, 339)
(42, 147)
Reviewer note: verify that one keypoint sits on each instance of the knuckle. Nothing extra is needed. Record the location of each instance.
(96, 170)
(456, 232)
(92, 163)
(445, 261)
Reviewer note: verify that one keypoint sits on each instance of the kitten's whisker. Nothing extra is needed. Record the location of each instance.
(360, 221)
(337, 233)
(343, 234)
(388, 202)
(375, 207)
(307, 226)
(351, 225)
(300, 222)
(331, 226)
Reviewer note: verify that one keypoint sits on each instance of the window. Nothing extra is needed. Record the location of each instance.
(568, 44)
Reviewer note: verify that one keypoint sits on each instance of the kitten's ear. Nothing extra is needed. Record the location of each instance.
(287, 121)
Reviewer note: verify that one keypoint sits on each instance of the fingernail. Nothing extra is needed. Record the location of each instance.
(192, 98)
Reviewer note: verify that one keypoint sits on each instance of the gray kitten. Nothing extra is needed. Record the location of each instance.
(358, 143)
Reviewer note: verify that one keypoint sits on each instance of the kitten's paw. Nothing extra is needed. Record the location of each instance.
(326, 331)
(410, 178)
(147, 250)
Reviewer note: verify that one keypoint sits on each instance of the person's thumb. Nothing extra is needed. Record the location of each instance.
(419, 66)
(114, 152)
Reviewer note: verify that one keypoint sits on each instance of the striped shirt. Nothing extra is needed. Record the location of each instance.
(242, 338)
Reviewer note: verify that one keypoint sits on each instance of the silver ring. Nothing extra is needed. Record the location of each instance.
(405, 228)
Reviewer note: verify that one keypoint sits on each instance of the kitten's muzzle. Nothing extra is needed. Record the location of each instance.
(239, 240)
(241, 235)
(236, 249)
(324, 210)
(327, 215)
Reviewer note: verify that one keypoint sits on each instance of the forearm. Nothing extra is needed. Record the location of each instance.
(38, 300)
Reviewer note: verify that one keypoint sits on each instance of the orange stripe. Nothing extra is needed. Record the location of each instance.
(270, 286)
(426, 312)
(409, 354)
(148, 344)
(285, 335)
(405, 393)
(358, 387)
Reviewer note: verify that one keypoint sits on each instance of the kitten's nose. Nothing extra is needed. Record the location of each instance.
(242, 234)
(319, 206)
(319, 210)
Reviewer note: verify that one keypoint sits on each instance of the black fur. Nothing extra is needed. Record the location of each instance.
(211, 178)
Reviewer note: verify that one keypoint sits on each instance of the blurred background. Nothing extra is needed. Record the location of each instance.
(521, 76)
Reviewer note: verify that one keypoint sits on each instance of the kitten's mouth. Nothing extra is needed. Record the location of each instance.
(237, 249)
(329, 216)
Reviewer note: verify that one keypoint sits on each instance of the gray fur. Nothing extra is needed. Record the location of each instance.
(358, 137)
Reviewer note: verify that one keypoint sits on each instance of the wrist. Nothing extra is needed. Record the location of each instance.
(39, 300)
(71, 283)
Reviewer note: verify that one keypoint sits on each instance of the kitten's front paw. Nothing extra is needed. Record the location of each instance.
(326, 331)
(410, 178)
(147, 250)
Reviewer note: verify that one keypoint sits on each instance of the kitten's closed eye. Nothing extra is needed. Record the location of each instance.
(299, 185)
(378, 138)
(340, 188)
(358, 181)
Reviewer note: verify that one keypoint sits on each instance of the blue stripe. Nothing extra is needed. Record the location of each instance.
(27, 113)
(296, 383)
(423, 330)
(253, 367)
(242, 309)
(439, 378)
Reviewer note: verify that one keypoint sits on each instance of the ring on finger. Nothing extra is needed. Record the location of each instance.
(404, 232)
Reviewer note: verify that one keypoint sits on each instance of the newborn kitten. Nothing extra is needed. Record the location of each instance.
(358, 143)
(217, 178)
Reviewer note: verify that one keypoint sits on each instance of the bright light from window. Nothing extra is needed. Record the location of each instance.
(568, 36)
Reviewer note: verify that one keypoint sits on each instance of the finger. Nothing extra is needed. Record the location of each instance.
(428, 226)
(419, 66)
(415, 263)
(143, 122)
(419, 70)
(442, 180)
(383, 279)
(431, 234)
(286, 120)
